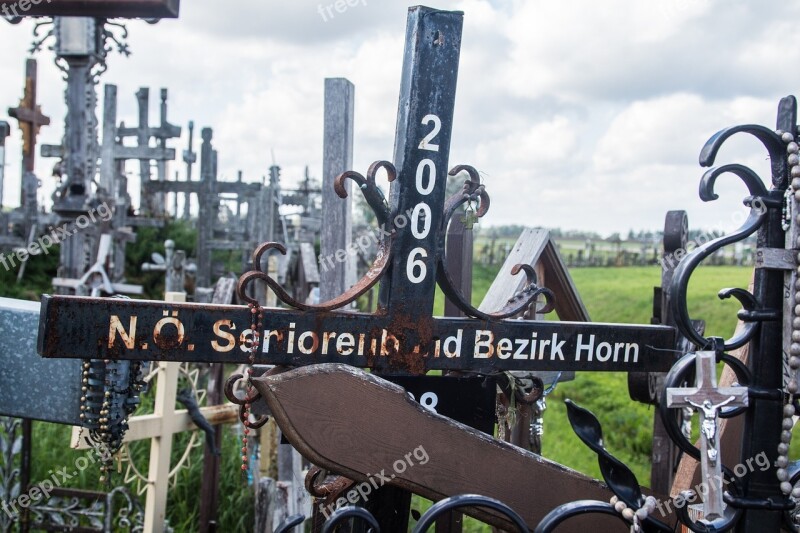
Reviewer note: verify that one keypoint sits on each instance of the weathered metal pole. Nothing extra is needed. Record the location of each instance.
(762, 428)
(337, 157)
(76, 43)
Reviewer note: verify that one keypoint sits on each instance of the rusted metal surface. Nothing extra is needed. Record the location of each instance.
(76, 327)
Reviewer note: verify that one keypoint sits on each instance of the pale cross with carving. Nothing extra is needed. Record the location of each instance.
(708, 399)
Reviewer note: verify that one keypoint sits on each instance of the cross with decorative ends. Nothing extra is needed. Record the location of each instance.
(30, 116)
(708, 399)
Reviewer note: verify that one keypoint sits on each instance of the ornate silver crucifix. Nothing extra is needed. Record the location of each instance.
(708, 399)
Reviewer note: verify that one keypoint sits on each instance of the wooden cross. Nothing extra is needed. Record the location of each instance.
(708, 399)
(30, 117)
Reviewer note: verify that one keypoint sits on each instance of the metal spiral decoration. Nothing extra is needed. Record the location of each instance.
(473, 191)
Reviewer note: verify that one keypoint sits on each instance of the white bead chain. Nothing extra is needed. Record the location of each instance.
(635, 517)
(793, 192)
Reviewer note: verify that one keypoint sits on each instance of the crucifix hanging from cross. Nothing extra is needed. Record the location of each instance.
(708, 399)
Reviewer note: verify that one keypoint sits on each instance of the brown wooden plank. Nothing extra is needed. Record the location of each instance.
(93, 8)
(569, 305)
(357, 424)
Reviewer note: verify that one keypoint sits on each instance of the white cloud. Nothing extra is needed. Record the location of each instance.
(580, 114)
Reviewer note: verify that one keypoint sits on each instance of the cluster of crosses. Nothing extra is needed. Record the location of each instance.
(356, 424)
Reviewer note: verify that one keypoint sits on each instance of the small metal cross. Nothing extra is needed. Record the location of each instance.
(470, 218)
(708, 399)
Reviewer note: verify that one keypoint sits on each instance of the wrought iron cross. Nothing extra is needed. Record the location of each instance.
(30, 117)
(708, 399)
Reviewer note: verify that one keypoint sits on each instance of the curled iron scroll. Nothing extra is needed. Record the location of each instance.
(467, 500)
(474, 191)
(759, 201)
(382, 260)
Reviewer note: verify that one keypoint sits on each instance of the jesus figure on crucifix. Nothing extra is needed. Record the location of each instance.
(709, 413)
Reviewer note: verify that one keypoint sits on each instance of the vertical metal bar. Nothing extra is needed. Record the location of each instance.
(421, 157)
(763, 419)
(422, 149)
(336, 212)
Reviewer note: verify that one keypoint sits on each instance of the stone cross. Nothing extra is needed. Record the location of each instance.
(145, 153)
(708, 399)
(174, 265)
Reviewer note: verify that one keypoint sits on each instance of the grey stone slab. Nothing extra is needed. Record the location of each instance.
(30, 386)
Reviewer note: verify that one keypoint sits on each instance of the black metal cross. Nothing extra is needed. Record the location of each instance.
(403, 335)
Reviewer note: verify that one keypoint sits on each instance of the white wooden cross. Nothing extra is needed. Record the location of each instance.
(160, 427)
(706, 398)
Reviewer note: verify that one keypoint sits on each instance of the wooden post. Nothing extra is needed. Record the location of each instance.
(337, 212)
(161, 445)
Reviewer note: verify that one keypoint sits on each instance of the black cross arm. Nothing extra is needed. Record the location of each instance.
(76, 327)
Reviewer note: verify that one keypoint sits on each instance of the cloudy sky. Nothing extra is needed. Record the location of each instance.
(580, 114)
